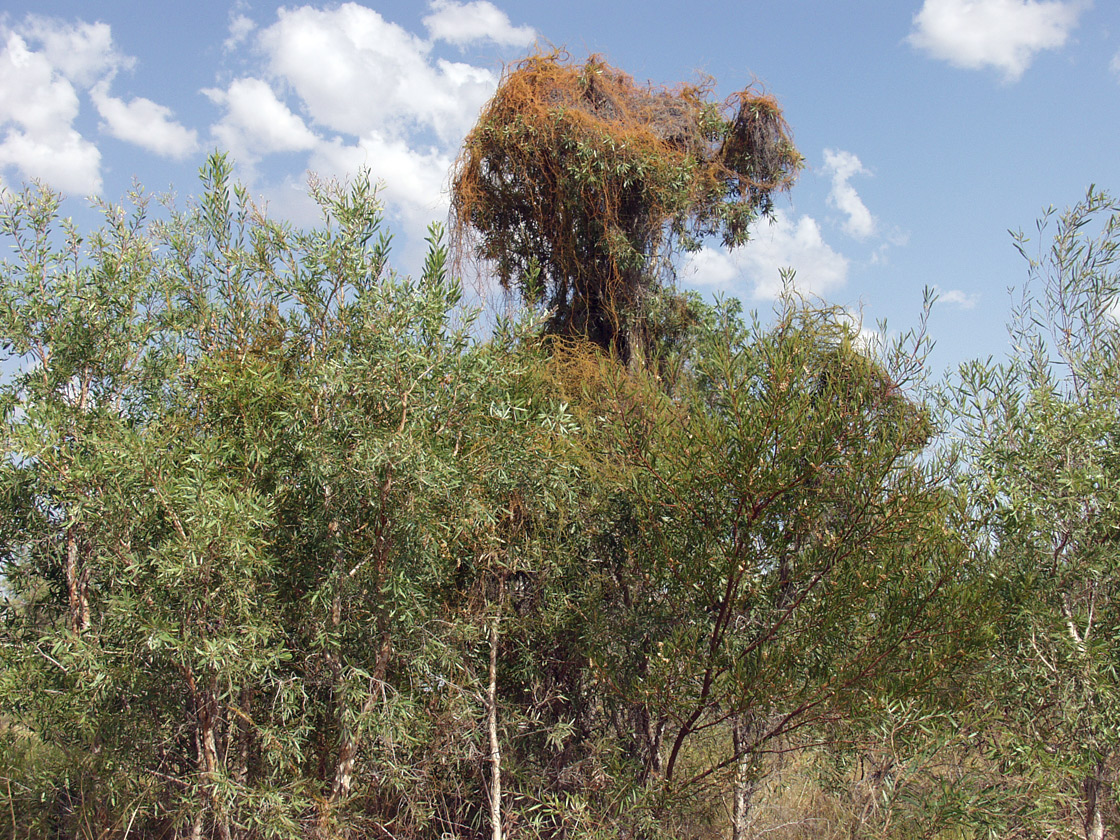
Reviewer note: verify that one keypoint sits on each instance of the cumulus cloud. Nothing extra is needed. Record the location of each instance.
(63, 159)
(464, 23)
(412, 179)
(240, 27)
(82, 52)
(144, 123)
(957, 298)
(47, 67)
(32, 94)
(784, 243)
(841, 166)
(257, 123)
(354, 90)
(38, 106)
(1004, 34)
(355, 72)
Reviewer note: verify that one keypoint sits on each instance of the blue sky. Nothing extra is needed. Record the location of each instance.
(930, 127)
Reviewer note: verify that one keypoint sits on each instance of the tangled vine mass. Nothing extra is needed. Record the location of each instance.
(577, 185)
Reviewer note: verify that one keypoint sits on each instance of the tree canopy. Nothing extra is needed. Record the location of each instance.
(288, 552)
(577, 184)
(1042, 434)
(289, 549)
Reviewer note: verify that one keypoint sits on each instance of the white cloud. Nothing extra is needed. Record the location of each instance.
(958, 298)
(46, 67)
(64, 160)
(144, 123)
(1004, 34)
(413, 179)
(82, 52)
(257, 123)
(38, 106)
(354, 90)
(870, 341)
(1114, 65)
(32, 94)
(357, 72)
(841, 166)
(784, 243)
(240, 27)
(1113, 310)
(464, 23)
(712, 268)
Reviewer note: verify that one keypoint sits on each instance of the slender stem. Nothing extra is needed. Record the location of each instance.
(492, 726)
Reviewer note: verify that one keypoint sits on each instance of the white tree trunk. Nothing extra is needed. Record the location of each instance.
(77, 583)
(746, 775)
(492, 727)
(206, 704)
(1094, 824)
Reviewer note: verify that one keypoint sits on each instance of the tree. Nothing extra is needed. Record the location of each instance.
(287, 551)
(245, 500)
(768, 547)
(577, 185)
(1040, 434)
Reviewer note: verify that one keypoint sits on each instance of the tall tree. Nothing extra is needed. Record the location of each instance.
(245, 498)
(769, 544)
(1041, 434)
(577, 185)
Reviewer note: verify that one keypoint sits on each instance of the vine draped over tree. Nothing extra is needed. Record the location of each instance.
(288, 549)
(577, 185)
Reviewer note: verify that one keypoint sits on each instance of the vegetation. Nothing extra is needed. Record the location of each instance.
(289, 550)
(577, 185)
(1041, 433)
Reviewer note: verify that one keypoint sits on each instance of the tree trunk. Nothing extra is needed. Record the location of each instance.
(348, 742)
(77, 583)
(646, 732)
(1091, 787)
(746, 774)
(655, 729)
(348, 745)
(244, 735)
(492, 728)
(343, 780)
(206, 713)
(344, 767)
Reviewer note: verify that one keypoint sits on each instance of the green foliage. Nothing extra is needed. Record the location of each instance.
(246, 494)
(286, 549)
(767, 543)
(1040, 434)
